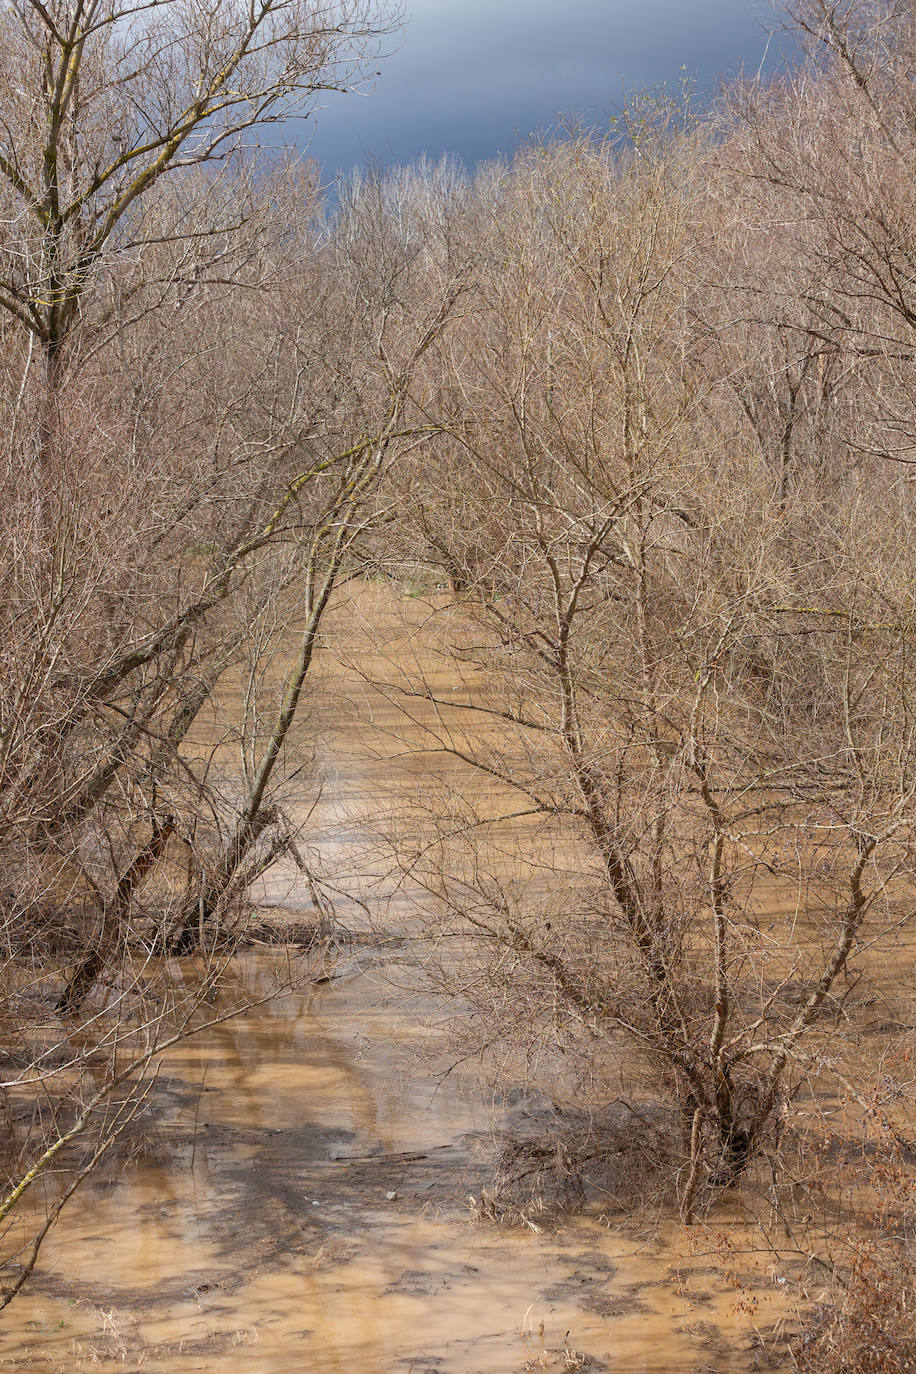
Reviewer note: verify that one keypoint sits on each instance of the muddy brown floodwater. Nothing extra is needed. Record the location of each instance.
(268, 1241)
(302, 1205)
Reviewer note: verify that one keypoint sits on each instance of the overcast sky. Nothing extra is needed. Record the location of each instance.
(468, 76)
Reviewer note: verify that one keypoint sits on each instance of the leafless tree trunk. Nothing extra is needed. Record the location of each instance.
(699, 679)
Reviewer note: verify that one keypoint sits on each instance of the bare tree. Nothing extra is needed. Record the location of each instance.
(404, 294)
(102, 100)
(697, 682)
(172, 446)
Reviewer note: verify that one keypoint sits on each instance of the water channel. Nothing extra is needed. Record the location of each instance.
(301, 1201)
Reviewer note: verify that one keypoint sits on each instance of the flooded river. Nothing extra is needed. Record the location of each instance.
(301, 1201)
(302, 1205)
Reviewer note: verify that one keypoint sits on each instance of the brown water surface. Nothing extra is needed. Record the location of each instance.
(267, 1240)
(302, 1200)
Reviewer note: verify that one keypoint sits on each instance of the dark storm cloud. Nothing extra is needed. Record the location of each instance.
(470, 74)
